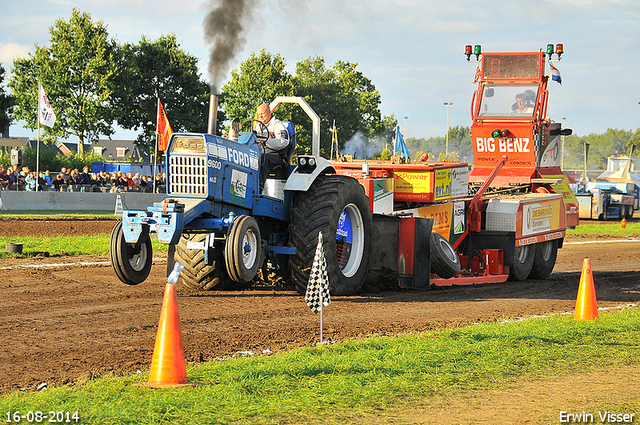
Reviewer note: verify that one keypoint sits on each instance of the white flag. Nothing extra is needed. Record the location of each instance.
(317, 295)
(46, 116)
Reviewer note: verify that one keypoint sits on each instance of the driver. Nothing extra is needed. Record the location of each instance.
(274, 146)
(521, 106)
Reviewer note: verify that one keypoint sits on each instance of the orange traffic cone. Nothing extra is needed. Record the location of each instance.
(168, 366)
(586, 305)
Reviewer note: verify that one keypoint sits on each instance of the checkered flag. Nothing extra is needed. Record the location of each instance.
(317, 295)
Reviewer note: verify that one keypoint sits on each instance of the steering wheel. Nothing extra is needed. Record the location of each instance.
(261, 137)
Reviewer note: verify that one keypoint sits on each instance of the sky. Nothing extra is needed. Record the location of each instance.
(411, 50)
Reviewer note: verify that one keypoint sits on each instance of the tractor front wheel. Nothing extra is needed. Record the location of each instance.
(131, 261)
(243, 250)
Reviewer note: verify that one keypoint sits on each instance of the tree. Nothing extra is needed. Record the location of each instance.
(460, 148)
(601, 146)
(319, 87)
(460, 144)
(78, 72)
(155, 69)
(6, 104)
(634, 141)
(259, 80)
(340, 93)
(363, 96)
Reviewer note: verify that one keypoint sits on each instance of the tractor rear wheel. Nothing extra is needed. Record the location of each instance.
(544, 259)
(522, 262)
(338, 207)
(196, 273)
(131, 261)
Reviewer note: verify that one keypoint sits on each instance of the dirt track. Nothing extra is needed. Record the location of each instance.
(68, 322)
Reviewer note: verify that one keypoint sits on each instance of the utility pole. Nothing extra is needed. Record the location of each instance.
(564, 124)
(446, 136)
(405, 126)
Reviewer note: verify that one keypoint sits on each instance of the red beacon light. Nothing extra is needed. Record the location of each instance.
(559, 50)
(476, 50)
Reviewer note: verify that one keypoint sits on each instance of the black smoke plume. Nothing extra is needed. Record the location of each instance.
(224, 25)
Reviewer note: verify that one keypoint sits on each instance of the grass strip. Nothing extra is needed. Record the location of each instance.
(610, 228)
(348, 381)
(85, 214)
(68, 245)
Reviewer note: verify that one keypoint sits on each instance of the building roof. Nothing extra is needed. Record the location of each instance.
(118, 150)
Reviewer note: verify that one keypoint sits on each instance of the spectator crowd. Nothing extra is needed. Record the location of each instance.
(79, 181)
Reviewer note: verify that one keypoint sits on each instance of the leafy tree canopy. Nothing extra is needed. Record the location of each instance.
(460, 148)
(340, 93)
(78, 72)
(160, 69)
(6, 103)
(601, 146)
(259, 80)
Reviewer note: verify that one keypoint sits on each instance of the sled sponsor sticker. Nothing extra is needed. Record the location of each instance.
(383, 196)
(412, 183)
(441, 215)
(442, 189)
(540, 217)
(458, 218)
(459, 182)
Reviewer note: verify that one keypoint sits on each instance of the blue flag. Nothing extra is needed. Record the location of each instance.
(400, 146)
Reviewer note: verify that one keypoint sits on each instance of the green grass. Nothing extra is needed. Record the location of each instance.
(609, 228)
(352, 380)
(57, 214)
(71, 245)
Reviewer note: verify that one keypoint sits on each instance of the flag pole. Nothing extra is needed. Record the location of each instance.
(320, 292)
(333, 129)
(38, 142)
(318, 284)
(155, 156)
(321, 310)
(395, 141)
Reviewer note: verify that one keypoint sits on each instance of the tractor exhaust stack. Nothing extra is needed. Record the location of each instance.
(213, 113)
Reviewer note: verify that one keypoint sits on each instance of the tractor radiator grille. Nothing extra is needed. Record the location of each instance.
(188, 175)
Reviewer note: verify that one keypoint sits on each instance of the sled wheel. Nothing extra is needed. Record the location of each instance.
(338, 207)
(444, 259)
(544, 259)
(522, 262)
(130, 261)
(243, 250)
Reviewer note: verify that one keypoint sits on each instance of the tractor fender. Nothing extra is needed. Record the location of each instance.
(301, 182)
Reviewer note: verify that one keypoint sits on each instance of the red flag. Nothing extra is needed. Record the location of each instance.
(164, 128)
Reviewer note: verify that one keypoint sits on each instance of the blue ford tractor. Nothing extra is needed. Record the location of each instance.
(223, 227)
